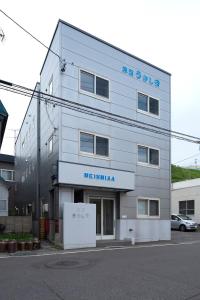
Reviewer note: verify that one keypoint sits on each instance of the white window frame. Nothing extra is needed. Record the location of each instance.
(94, 95)
(148, 113)
(148, 164)
(148, 215)
(186, 206)
(94, 155)
(8, 170)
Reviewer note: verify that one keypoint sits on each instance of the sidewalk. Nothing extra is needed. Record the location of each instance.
(48, 248)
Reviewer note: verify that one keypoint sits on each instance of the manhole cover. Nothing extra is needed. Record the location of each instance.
(68, 264)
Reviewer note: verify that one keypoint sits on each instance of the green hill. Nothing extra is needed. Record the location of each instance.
(180, 174)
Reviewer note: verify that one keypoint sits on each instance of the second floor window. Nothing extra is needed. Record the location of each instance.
(148, 104)
(94, 144)
(148, 156)
(94, 84)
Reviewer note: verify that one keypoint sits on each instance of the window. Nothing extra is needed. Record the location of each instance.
(102, 87)
(175, 218)
(94, 84)
(148, 156)
(101, 146)
(3, 204)
(186, 207)
(87, 82)
(148, 104)
(7, 175)
(93, 144)
(86, 142)
(148, 208)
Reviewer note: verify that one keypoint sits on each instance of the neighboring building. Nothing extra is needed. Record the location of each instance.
(3, 198)
(3, 185)
(7, 173)
(185, 198)
(80, 157)
(3, 121)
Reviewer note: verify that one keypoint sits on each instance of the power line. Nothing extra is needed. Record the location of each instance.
(8, 86)
(73, 106)
(16, 23)
(187, 158)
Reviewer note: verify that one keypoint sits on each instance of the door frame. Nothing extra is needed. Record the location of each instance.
(102, 199)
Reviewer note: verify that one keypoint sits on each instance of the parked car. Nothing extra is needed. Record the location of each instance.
(182, 223)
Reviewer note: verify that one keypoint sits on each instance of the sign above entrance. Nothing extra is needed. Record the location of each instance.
(84, 175)
(99, 177)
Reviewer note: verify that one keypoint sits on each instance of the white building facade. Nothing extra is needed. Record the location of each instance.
(185, 198)
(113, 161)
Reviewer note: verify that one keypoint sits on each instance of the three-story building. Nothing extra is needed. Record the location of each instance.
(109, 155)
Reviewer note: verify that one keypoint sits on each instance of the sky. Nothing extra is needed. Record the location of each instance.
(164, 33)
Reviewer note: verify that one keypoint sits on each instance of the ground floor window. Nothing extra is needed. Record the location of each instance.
(148, 207)
(186, 207)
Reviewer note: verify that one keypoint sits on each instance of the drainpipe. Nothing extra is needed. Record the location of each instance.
(36, 228)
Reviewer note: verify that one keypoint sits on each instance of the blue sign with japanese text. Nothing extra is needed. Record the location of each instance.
(99, 177)
(134, 73)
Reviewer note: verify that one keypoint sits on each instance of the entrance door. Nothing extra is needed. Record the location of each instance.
(105, 218)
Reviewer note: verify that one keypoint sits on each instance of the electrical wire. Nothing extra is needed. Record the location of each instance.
(18, 89)
(42, 94)
(92, 113)
(16, 23)
(197, 154)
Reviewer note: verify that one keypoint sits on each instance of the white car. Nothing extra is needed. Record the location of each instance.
(182, 223)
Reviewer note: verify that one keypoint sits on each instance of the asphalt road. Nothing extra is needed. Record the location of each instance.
(144, 272)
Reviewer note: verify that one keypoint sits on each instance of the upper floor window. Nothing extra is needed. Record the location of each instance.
(148, 104)
(93, 144)
(186, 207)
(148, 156)
(7, 175)
(94, 84)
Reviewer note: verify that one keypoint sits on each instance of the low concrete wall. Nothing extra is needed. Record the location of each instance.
(143, 230)
(17, 223)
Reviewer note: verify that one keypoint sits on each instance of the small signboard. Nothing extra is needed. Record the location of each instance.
(79, 225)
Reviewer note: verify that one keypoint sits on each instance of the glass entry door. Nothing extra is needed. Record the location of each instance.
(105, 217)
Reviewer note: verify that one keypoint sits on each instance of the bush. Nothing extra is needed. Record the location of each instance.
(16, 236)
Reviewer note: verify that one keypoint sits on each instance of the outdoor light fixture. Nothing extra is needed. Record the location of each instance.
(63, 65)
